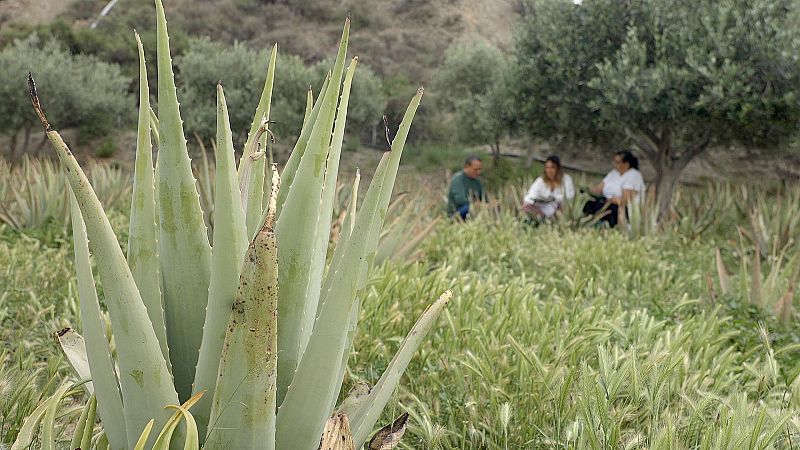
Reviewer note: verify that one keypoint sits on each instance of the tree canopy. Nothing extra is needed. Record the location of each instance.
(471, 86)
(670, 76)
(81, 91)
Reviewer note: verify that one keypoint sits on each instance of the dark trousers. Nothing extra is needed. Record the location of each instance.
(463, 211)
(610, 214)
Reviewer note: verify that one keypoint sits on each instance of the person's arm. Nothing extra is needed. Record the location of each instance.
(459, 191)
(533, 192)
(569, 188)
(630, 184)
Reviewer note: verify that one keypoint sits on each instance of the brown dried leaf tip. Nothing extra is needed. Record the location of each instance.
(35, 100)
(389, 436)
(337, 434)
(61, 333)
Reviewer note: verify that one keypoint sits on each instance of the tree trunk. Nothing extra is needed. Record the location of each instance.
(668, 163)
(495, 149)
(667, 175)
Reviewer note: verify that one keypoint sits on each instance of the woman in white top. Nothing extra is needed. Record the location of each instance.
(623, 185)
(548, 192)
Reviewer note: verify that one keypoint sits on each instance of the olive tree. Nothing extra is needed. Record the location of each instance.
(471, 84)
(672, 77)
(86, 93)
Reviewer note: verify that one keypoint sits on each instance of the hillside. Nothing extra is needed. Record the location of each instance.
(395, 37)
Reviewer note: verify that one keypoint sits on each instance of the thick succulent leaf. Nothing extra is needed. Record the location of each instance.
(88, 426)
(355, 398)
(80, 428)
(101, 365)
(313, 391)
(364, 418)
(323, 228)
(352, 327)
(144, 378)
(344, 236)
(140, 444)
(295, 229)
(398, 143)
(143, 230)
(168, 438)
(74, 348)
(255, 191)
(243, 411)
(337, 435)
(244, 402)
(290, 169)
(230, 244)
(309, 107)
(183, 241)
(310, 397)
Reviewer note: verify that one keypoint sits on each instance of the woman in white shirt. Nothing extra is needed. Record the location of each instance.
(548, 192)
(622, 186)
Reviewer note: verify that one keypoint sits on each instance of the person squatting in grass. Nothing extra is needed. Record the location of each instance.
(548, 192)
(465, 187)
(623, 185)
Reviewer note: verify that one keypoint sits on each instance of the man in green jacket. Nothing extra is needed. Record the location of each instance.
(465, 187)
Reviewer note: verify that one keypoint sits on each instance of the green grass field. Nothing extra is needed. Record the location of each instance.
(561, 336)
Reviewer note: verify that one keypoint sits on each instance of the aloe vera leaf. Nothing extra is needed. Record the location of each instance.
(289, 170)
(255, 191)
(295, 229)
(153, 123)
(364, 418)
(398, 144)
(143, 231)
(312, 393)
(309, 107)
(89, 424)
(145, 380)
(264, 102)
(48, 420)
(308, 401)
(80, 427)
(144, 436)
(323, 228)
(183, 241)
(192, 438)
(101, 365)
(167, 434)
(352, 327)
(344, 237)
(243, 411)
(355, 398)
(230, 244)
(74, 348)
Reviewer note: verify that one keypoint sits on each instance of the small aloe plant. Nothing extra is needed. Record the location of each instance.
(253, 333)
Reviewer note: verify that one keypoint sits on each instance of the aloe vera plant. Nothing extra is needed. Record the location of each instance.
(253, 333)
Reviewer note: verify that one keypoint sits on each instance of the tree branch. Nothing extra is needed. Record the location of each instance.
(698, 147)
(645, 143)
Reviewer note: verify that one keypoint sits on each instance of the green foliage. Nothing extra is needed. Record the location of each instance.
(672, 77)
(369, 98)
(97, 104)
(33, 195)
(472, 84)
(676, 69)
(243, 70)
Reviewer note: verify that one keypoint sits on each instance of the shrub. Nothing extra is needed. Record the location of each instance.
(81, 91)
